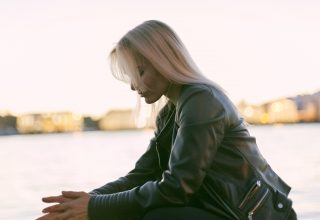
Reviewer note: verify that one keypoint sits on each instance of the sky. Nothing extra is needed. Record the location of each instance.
(54, 54)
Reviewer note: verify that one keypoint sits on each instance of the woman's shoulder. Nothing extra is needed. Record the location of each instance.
(198, 104)
(195, 87)
(202, 97)
(208, 92)
(207, 101)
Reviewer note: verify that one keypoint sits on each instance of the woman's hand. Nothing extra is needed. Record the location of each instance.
(72, 206)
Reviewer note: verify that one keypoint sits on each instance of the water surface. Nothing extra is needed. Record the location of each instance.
(33, 166)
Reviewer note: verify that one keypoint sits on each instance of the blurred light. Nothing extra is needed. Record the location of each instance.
(277, 107)
(248, 111)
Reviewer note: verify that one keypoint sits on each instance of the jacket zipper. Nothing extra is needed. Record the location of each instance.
(259, 203)
(158, 154)
(166, 125)
(229, 209)
(250, 193)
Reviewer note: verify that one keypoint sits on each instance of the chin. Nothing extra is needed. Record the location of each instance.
(150, 100)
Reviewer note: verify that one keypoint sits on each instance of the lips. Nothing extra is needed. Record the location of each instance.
(142, 94)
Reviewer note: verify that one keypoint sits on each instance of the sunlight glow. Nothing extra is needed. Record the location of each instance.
(53, 54)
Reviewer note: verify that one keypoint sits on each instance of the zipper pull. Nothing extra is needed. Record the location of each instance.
(158, 154)
(250, 215)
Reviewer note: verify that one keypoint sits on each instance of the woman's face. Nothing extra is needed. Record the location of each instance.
(153, 84)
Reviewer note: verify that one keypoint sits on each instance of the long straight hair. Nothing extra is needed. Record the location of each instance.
(157, 43)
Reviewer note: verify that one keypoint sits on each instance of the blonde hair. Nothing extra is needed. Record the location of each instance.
(158, 44)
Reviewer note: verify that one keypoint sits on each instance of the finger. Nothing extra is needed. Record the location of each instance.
(49, 216)
(55, 216)
(58, 199)
(45, 217)
(55, 208)
(52, 199)
(73, 194)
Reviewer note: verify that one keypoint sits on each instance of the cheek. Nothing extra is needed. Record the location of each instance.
(149, 82)
(154, 82)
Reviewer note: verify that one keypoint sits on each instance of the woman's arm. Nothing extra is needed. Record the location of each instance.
(146, 169)
(201, 130)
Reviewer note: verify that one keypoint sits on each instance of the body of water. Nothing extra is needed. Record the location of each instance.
(33, 166)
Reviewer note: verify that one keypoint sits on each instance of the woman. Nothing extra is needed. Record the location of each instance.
(202, 162)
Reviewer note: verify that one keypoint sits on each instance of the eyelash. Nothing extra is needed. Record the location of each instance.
(141, 72)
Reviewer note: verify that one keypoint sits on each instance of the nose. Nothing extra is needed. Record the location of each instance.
(132, 87)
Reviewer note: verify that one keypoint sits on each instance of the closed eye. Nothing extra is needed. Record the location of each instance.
(141, 70)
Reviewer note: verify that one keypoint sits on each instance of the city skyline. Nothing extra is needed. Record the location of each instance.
(54, 55)
(298, 109)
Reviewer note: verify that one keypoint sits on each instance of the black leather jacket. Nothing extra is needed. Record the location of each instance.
(202, 155)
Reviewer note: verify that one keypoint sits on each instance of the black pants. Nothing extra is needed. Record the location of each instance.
(180, 213)
(189, 213)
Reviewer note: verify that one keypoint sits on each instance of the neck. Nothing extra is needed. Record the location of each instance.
(173, 92)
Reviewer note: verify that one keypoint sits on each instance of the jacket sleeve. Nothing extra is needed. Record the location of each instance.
(146, 168)
(201, 123)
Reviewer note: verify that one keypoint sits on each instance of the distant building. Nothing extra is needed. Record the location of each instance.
(118, 120)
(90, 124)
(253, 114)
(29, 123)
(282, 111)
(307, 106)
(316, 98)
(277, 111)
(301, 108)
(8, 124)
(49, 122)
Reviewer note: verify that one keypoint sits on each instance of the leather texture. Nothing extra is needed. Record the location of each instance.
(202, 155)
